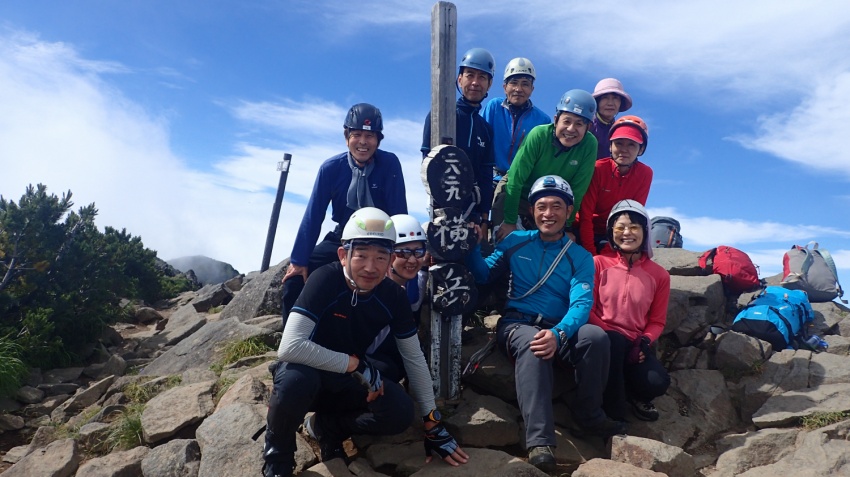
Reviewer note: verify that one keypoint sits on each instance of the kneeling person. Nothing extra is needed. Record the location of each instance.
(322, 354)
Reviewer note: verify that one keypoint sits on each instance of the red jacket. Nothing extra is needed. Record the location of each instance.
(607, 187)
(630, 300)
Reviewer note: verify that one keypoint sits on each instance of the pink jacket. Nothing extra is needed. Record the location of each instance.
(630, 300)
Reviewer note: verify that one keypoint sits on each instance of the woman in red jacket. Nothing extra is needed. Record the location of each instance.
(620, 176)
(630, 303)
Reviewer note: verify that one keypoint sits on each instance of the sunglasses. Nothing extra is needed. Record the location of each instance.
(633, 228)
(406, 253)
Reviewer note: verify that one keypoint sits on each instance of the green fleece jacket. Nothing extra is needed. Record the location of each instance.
(539, 156)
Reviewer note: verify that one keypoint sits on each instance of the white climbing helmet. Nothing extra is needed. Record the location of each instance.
(369, 223)
(407, 229)
(519, 66)
(630, 205)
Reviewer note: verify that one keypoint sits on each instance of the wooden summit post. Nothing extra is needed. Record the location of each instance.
(445, 330)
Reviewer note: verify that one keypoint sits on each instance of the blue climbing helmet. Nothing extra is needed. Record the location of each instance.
(551, 185)
(479, 59)
(578, 102)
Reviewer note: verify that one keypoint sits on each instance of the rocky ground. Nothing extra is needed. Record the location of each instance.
(164, 381)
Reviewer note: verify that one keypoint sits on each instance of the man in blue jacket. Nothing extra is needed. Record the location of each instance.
(513, 115)
(472, 134)
(551, 293)
(363, 176)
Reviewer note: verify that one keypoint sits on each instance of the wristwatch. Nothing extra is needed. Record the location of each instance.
(433, 416)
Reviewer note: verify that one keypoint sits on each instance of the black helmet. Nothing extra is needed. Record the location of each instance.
(365, 117)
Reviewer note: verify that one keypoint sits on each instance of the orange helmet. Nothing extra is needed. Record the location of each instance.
(635, 123)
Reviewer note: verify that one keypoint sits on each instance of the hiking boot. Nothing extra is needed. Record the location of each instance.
(542, 458)
(329, 448)
(645, 411)
(277, 469)
(605, 428)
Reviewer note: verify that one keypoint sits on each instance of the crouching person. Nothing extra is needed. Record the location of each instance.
(630, 304)
(322, 365)
(551, 288)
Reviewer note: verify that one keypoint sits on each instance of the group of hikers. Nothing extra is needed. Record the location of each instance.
(568, 231)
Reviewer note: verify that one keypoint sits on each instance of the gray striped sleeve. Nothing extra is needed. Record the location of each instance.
(417, 372)
(296, 347)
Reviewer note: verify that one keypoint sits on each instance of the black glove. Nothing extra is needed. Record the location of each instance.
(368, 376)
(440, 441)
(641, 343)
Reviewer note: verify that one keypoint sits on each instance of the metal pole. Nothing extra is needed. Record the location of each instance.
(283, 167)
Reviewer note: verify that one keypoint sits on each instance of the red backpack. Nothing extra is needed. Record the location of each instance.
(735, 268)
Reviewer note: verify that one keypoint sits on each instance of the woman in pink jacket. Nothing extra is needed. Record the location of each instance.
(630, 303)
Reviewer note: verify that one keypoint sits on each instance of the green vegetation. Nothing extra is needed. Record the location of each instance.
(61, 279)
(822, 419)
(221, 387)
(12, 369)
(142, 391)
(233, 351)
(126, 433)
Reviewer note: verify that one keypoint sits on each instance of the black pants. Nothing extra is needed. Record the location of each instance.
(324, 253)
(643, 381)
(340, 404)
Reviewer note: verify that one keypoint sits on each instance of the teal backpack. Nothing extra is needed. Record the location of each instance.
(777, 315)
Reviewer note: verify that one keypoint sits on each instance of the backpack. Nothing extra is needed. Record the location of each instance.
(736, 270)
(811, 270)
(776, 315)
(664, 232)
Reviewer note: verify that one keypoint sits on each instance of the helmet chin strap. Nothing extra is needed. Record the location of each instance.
(347, 272)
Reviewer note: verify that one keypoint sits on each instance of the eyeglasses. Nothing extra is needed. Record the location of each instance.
(633, 228)
(406, 253)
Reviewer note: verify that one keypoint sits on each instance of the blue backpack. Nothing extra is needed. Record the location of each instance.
(776, 315)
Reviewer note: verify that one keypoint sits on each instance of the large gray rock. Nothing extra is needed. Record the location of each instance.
(212, 295)
(145, 314)
(118, 464)
(175, 409)
(225, 438)
(234, 425)
(741, 452)
(785, 371)
(818, 453)
(175, 458)
(181, 324)
(828, 317)
(695, 303)
(59, 459)
(740, 352)
(61, 375)
(81, 400)
(828, 368)
(610, 468)
(261, 296)
(652, 455)
(29, 395)
(200, 349)
(707, 403)
(485, 421)
(678, 261)
(248, 390)
(787, 408)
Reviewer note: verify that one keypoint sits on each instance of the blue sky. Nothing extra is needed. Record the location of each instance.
(171, 116)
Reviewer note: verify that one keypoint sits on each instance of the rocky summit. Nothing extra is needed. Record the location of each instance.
(182, 391)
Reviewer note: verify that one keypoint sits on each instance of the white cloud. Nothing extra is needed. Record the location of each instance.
(67, 128)
(811, 133)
